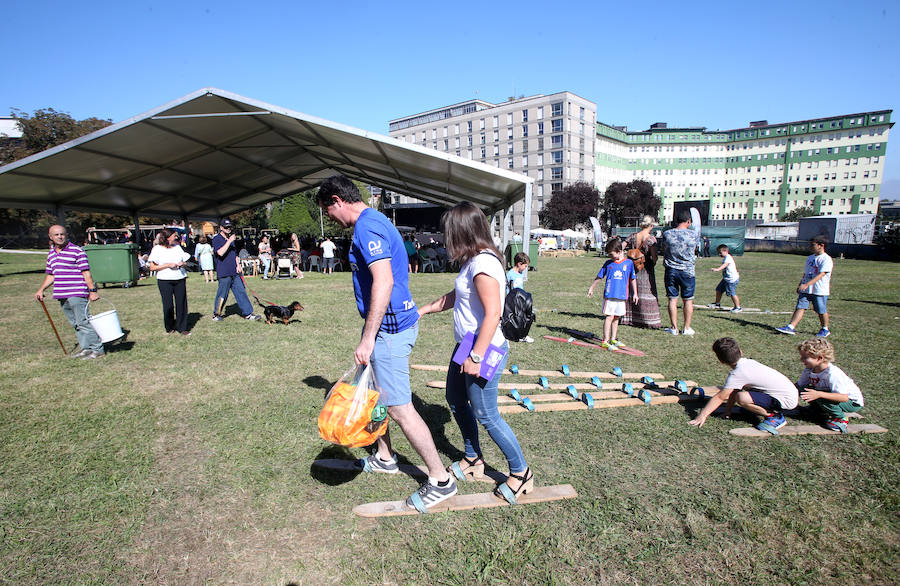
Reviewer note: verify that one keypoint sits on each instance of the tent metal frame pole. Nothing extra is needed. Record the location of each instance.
(526, 224)
(137, 229)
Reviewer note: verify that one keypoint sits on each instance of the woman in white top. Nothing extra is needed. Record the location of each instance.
(477, 302)
(168, 259)
(203, 252)
(265, 255)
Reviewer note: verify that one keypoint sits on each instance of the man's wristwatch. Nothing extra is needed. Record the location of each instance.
(476, 358)
(92, 290)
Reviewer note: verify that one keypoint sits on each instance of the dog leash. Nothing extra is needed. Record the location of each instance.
(259, 299)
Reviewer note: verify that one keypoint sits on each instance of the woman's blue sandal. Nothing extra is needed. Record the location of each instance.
(474, 471)
(527, 485)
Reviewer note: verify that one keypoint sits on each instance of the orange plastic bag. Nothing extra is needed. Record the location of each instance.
(351, 415)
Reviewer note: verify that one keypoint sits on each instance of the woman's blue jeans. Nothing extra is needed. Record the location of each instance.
(473, 400)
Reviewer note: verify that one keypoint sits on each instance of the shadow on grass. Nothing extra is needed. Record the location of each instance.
(319, 382)
(192, 319)
(885, 303)
(584, 315)
(745, 322)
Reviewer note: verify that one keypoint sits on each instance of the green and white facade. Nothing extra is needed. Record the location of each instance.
(833, 165)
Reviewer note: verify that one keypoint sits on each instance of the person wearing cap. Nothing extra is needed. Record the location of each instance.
(228, 270)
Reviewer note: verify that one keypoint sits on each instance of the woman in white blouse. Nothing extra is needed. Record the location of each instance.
(477, 302)
(168, 259)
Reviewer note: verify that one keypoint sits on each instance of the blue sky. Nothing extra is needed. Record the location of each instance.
(713, 64)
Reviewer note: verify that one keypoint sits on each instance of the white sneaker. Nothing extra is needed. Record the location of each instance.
(672, 331)
(688, 332)
(528, 340)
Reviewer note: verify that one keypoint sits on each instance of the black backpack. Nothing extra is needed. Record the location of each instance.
(518, 314)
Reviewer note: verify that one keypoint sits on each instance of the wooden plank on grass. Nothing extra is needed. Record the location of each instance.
(572, 374)
(573, 405)
(439, 384)
(808, 430)
(464, 502)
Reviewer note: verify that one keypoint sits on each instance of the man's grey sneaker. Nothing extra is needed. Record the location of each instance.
(715, 306)
(92, 355)
(786, 330)
(252, 317)
(672, 331)
(737, 310)
(80, 353)
(688, 332)
(373, 463)
(217, 317)
(429, 495)
(823, 333)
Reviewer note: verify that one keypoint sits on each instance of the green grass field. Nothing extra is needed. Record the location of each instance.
(178, 460)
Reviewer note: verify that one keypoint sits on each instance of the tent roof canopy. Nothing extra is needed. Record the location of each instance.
(212, 153)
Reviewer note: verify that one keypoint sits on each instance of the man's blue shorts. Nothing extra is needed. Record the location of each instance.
(767, 402)
(819, 302)
(679, 282)
(727, 287)
(390, 361)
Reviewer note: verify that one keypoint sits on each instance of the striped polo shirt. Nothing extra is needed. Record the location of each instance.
(66, 266)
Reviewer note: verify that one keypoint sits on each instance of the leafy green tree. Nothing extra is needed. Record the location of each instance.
(624, 202)
(44, 129)
(570, 206)
(795, 214)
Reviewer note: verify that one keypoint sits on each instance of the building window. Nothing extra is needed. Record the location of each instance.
(482, 138)
(509, 133)
(524, 130)
(556, 173)
(524, 160)
(509, 163)
(508, 118)
(525, 115)
(469, 126)
(481, 124)
(556, 125)
(556, 141)
(496, 150)
(524, 146)
(540, 128)
(557, 157)
(556, 109)
(581, 113)
(554, 187)
(482, 152)
(540, 113)
(496, 135)
(509, 148)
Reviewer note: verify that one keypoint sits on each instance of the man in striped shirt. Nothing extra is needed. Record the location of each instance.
(69, 273)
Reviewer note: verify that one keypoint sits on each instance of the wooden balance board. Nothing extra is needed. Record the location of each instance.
(439, 384)
(745, 310)
(572, 374)
(490, 475)
(575, 341)
(465, 502)
(573, 405)
(808, 430)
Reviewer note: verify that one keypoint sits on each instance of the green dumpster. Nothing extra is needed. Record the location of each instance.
(514, 248)
(113, 263)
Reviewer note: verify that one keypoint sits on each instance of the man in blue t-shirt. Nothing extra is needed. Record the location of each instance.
(679, 257)
(381, 284)
(228, 271)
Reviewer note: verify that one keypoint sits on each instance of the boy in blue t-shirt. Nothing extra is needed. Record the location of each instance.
(619, 274)
(515, 279)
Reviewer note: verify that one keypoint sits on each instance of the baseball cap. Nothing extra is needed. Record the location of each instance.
(226, 223)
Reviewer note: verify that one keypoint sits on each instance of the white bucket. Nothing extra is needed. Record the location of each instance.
(106, 324)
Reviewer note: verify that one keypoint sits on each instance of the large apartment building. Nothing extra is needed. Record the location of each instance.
(550, 138)
(833, 165)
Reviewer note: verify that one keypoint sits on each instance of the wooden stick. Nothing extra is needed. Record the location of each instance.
(573, 374)
(52, 325)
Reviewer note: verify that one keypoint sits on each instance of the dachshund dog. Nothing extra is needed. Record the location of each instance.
(281, 312)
